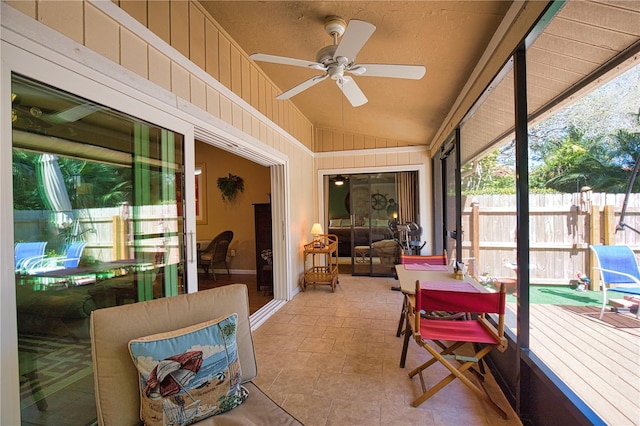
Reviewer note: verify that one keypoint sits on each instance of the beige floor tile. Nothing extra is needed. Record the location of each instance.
(295, 381)
(339, 333)
(400, 415)
(363, 364)
(309, 409)
(337, 385)
(352, 413)
(330, 321)
(333, 359)
(314, 344)
(330, 362)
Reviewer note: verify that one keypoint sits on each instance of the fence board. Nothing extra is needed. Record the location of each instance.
(561, 231)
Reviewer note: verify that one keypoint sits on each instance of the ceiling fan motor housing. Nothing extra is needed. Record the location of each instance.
(325, 55)
(334, 25)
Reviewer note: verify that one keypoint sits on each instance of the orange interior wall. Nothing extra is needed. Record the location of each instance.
(237, 215)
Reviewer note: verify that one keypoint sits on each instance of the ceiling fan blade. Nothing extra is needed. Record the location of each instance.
(302, 86)
(413, 72)
(352, 91)
(354, 37)
(73, 114)
(263, 57)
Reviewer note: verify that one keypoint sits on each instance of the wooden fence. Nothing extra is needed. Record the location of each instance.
(562, 226)
(110, 233)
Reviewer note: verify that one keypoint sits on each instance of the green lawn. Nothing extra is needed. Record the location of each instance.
(561, 295)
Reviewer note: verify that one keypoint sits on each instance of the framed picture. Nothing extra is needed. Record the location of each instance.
(201, 193)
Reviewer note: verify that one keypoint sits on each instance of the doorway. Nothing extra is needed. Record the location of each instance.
(364, 212)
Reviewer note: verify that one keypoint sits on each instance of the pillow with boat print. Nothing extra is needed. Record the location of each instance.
(189, 374)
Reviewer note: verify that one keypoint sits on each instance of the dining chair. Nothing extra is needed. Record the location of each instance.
(216, 253)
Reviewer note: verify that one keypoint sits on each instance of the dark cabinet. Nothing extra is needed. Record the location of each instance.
(264, 270)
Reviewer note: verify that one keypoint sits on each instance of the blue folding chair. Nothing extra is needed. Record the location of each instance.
(26, 254)
(71, 259)
(619, 271)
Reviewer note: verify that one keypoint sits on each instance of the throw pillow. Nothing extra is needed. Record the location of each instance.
(189, 374)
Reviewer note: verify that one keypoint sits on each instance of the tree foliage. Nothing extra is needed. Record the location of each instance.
(594, 142)
(89, 184)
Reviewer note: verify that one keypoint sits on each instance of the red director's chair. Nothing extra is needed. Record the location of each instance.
(482, 335)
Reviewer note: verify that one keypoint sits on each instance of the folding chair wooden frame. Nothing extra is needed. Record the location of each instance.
(483, 335)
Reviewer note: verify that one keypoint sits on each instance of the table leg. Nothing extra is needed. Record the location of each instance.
(405, 344)
(402, 316)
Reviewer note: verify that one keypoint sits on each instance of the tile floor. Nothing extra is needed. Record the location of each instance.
(333, 359)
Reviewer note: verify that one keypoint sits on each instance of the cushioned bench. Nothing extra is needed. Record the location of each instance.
(116, 377)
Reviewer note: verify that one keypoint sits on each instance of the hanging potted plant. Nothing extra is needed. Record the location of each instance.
(230, 186)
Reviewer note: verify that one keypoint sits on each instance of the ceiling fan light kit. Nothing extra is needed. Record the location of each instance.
(339, 58)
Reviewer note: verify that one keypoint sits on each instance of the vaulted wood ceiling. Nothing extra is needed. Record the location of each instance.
(448, 37)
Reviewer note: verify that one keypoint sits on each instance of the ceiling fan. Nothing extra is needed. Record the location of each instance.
(339, 58)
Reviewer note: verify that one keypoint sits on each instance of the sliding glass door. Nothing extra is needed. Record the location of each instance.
(374, 210)
(98, 222)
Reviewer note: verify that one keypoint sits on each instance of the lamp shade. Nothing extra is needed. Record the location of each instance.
(316, 229)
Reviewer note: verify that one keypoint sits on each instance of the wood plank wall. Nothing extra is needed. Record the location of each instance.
(187, 27)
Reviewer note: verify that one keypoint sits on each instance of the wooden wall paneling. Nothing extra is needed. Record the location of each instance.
(273, 103)
(348, 162)
(380, 160)
(196, 36)
(180, 26)
(134, 55)
(246, 79)
(358, 142)
(281, 112)
(348, 141)
(255, 127)
(295, 123)
(404, 158)
(159, 68)
(262, 94)
(65, 17)
(338, 141)
(263, 132)
(198, 90)
(224, 60)
(225, 109)
(392, 158)
(159, 19)
(369, 142)
(326, 138)
(213, 101)
(381, 143)
(254, 76)
(236, 115)
(180, 81)
(236, 71)
(269, 94)
(271, 136)
(102, 34)
(28, 7)
(247, 122)
(309, 136)
(212, 47)
(136, 8)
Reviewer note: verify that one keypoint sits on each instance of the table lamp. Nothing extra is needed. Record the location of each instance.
(316, 231)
